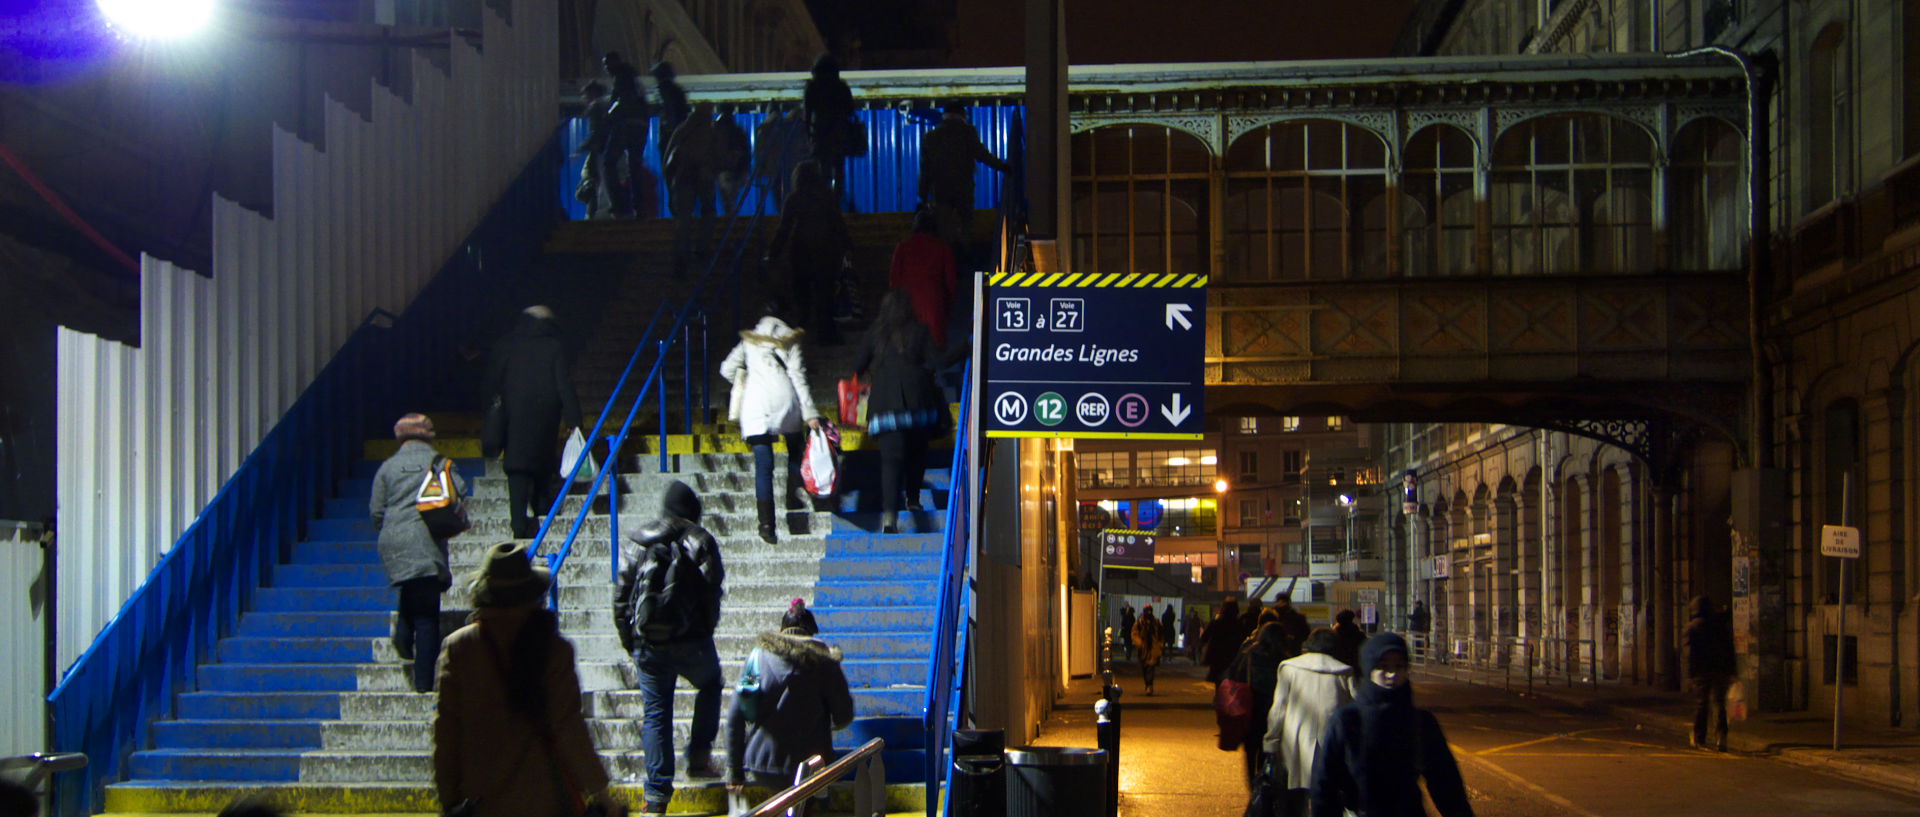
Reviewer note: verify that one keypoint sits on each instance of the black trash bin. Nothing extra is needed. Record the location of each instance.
(979, 772)
(1056, 781)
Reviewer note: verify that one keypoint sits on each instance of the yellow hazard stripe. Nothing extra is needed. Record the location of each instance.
(1128, 281)
(1136, 280)
(996, 278)
(1052, 278)
(1184, 279)
(1071, 277)
(1108, 279)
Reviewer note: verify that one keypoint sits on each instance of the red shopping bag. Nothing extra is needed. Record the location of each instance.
(853, 401)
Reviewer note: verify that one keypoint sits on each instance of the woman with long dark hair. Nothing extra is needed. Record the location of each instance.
(905, 406)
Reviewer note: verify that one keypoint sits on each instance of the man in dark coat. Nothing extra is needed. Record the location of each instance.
(947, 156)
(1710, 668)
(623, 166)
(665, 617)
(1167, 631)
(1126, 630)
(1347, 638)
(1377, 749)
(1292, 623)
(674, 107)
(1220, 642)
(827, 107)
(528, 372)
(591, 191)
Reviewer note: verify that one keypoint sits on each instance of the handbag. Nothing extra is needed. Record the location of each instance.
(439, 502)
(1233, 706)
(746, 694)
(853, 401)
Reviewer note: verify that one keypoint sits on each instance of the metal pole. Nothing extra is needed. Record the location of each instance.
(686, 371)
(660, 388)
(1840, 636)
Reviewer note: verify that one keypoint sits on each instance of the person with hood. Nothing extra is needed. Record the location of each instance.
(415, 562)
(1259, 666)
(905, 404)
(1220, 642)
(827, 108)
(674, 106)
(528, 374)
(1147, 637)
(771, 401)
(1308, 689)
(1708, 641)
(803, 698)
(948, 153)
(1292, 622)
(1349, 636)
(811, 226)
(1377, 749)
(623, 164)
(509, 738)
(666, 605)
(923, 267)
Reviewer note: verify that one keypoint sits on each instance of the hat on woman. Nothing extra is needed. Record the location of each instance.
(508, 578)
(413, 426)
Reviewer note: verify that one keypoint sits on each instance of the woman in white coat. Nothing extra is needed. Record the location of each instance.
(770, 400)
(1308, 689)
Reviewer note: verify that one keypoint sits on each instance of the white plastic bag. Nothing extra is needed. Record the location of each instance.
(575, 444)
(821, 468)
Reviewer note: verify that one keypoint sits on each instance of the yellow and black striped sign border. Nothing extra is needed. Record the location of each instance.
(1113, 280)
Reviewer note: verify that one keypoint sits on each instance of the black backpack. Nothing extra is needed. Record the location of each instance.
(675, 600)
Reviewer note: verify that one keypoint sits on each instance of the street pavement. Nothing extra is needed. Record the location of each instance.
(1521, 756)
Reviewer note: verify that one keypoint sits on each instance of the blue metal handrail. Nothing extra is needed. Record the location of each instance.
(147, 653)
(653, 383)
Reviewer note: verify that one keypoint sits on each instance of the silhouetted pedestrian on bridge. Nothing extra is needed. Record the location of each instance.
(1710, 670)
(623, 166)
(675, 109)
(528, 374)
(691, 164)
(828, 111)
(1147, 636)
(947, 156)
(780, 144)
(415, 561)
(592, 192)
(1377, 749)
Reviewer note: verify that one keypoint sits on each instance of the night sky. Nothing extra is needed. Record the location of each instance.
(989, 32)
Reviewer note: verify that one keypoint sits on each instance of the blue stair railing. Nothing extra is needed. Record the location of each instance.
(148, 652)
(692, 315)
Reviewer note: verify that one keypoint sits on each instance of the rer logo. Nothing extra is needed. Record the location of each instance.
(1092, 409)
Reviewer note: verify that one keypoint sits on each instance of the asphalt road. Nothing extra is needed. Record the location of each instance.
(1521, 757)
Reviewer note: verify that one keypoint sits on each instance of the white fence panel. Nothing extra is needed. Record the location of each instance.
(148, 435)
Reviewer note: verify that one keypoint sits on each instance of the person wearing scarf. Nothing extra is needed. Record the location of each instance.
(1377, 748)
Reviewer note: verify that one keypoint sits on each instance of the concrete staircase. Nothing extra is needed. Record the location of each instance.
(306, 703)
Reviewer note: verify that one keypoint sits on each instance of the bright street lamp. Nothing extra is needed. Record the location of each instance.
(157, 19)
(1220, 486)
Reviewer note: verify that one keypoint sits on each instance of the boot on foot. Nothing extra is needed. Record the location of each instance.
(765, 507)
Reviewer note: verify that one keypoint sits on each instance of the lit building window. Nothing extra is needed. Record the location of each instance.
(1289, 424)
(1249, 425)
(1336, 423)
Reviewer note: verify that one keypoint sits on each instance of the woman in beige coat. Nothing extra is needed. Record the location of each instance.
(1308, 688)
(508, 736)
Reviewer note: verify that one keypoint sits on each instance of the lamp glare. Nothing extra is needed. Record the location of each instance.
(157, 19)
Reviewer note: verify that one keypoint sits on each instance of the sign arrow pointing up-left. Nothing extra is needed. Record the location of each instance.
(1178, 312)
(1177, 413)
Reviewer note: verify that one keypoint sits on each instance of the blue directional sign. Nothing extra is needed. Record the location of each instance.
(1104, 355)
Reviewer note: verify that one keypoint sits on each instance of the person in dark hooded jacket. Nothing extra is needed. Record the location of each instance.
(528, 374)
(1350, 636)
(1377, 749)
(1710, 667)
(1220, 642)
(802, 700)
(665, 618)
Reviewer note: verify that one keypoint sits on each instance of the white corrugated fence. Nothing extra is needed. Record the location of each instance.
(147, 436)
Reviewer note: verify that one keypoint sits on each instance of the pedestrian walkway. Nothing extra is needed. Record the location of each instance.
(1169, 763)
(1887, 757)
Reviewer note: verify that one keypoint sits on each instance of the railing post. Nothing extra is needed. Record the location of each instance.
(660, 386)
(686, 370)
(706, 359)
(613, 506)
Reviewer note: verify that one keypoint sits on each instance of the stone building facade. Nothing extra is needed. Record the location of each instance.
(1834, 274)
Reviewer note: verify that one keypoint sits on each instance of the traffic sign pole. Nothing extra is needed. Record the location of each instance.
(1840, 640)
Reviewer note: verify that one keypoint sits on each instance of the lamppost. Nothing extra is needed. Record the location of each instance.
(1346, 501)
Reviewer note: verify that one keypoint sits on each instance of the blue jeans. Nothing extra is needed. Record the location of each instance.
(660, 666)
(763, 462)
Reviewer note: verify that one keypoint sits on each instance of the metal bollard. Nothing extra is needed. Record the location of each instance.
(1107, 737)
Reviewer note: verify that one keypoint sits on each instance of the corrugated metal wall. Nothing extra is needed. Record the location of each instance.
(23, 642)
(148, 435)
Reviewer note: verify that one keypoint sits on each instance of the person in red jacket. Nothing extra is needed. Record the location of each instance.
(924, 268)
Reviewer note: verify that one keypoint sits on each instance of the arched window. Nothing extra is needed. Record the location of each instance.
(1829, 150)
(1572, 193)
(1298, 203)
(1140, 200)
(1708, 205)
(1436, 226)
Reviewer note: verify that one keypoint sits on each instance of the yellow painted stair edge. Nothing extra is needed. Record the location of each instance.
(363, 800)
